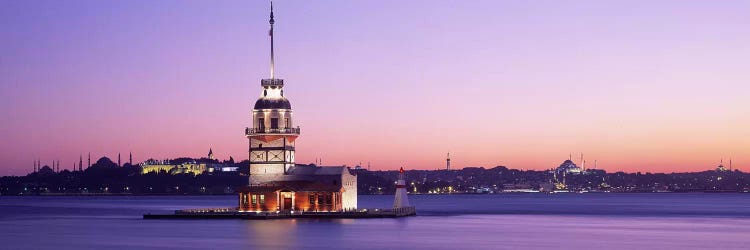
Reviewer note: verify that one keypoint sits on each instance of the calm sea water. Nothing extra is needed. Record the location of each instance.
(506, 221)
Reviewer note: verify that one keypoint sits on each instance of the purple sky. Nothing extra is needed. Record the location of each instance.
(636, 85)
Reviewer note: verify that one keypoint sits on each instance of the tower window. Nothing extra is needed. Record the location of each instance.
(286, 122)
(274, 123)
(265, 92)
(261, 123)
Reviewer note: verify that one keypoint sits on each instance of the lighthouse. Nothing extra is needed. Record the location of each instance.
(276, 183)
(401, 200)
(272, 135)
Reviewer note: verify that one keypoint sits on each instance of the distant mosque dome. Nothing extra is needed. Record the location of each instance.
(721, 168)
(568, 166)
(46, 170)
(273, 103)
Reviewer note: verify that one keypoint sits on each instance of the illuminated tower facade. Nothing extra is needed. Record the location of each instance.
(272, 136)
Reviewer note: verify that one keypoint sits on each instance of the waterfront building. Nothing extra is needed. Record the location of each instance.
(276, 183)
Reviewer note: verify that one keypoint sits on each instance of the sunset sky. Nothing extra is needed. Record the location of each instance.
(651, 86)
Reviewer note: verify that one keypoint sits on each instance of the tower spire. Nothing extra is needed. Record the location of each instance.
(270, 33)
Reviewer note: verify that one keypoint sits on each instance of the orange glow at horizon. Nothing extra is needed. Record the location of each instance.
(521, 84)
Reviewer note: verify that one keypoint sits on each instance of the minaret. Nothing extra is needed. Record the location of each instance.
(448, 162)
(118, 160)
(272, 136)
(401, 200)
(582, 162)
(80, 163)
(130, 160)
(89, 161)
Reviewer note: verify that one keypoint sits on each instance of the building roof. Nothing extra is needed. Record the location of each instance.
(295, 186)
(315, 170)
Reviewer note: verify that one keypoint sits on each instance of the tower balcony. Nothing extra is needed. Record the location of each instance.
(280, 131)
(275, 82)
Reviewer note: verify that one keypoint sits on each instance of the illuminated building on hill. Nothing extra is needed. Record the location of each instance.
(568, 167)
(195, 167)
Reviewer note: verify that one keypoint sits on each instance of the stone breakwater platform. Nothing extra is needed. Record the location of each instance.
(234, 213)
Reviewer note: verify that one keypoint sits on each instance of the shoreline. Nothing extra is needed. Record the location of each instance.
(420, 194)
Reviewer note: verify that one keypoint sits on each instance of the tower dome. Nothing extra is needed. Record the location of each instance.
(272, 103)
